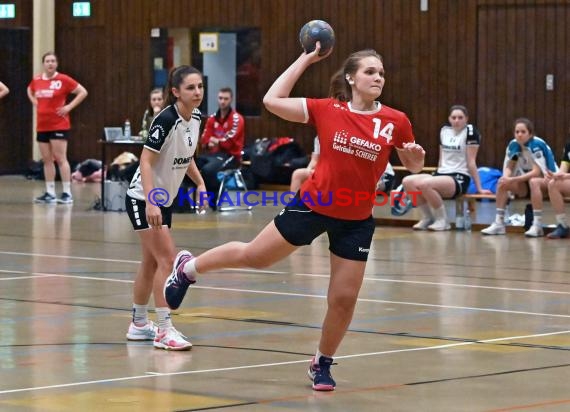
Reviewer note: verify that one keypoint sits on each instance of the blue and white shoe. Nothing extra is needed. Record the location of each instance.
(177, 282)
(45, 198)
(402, 203)
(320, 374)
(560, 232)
(65, 199)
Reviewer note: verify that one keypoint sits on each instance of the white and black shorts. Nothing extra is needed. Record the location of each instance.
(461, 182)
(136, 209)
(348, 239)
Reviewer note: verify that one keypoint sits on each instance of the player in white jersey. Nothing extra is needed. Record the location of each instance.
(527, 162)
(167, 156)
(558, 187)
(458, 146)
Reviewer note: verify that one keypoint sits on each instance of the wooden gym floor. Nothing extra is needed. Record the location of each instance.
(446, 321)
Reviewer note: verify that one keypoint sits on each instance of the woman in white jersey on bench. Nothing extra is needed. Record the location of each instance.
(458, 146)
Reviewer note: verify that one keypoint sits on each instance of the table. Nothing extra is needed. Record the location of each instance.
(123, 145)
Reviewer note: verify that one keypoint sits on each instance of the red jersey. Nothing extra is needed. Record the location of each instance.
(355, 149)
(52, 94)
(231, 128)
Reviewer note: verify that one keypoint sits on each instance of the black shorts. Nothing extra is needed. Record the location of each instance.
(45, 137)
(461, 182)
(348, 239)
(136, 209)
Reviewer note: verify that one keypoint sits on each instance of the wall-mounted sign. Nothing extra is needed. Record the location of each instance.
(81, 9)
(208, 42)
(7, 11)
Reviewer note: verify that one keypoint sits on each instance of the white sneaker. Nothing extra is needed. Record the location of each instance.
(439, 225)
(422, 224)
(534, 231)
(146, 332)
(171, 339)
(495, 229)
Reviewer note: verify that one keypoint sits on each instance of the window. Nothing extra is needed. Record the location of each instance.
(234, 62)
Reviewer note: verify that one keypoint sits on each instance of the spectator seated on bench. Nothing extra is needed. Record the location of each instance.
(527, 161)
(459, 143)
(303, 173)
(558, 187)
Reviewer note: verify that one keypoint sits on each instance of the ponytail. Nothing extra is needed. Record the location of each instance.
(339, 88)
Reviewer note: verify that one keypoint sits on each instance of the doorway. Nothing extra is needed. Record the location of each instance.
(522, 64)
(15, 108)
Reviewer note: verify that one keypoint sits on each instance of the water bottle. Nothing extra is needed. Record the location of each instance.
(459, 223)
(467, 221)
(127, 130)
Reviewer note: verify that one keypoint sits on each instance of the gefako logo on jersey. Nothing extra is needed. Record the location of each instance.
(356, 146)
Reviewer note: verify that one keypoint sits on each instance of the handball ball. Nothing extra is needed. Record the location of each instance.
(317, 30)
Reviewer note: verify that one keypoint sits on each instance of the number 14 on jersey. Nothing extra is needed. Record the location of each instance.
(385, 132)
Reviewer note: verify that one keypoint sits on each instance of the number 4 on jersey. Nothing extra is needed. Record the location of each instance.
(386, 131)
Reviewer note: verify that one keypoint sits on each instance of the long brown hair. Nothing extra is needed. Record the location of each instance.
(175, 79)
(339, 88)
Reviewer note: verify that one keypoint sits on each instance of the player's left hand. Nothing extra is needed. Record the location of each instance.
(63, 110)
(414, 148)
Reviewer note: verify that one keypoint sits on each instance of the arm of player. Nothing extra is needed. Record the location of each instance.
(194, 174)
(80, 94)
(412, 156)
(32, 97)
(3, 90)
(277, 99)
(472, 166)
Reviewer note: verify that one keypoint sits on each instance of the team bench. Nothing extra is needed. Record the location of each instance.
(471, 201)
(425, 169)
(472, 198)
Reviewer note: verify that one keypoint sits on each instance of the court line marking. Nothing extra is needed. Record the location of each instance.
(307, 295)
(431, 305)
(33, 276)
(274, 272)
(531, 405)
(462, 285)
(2, 252)
(263, 365)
